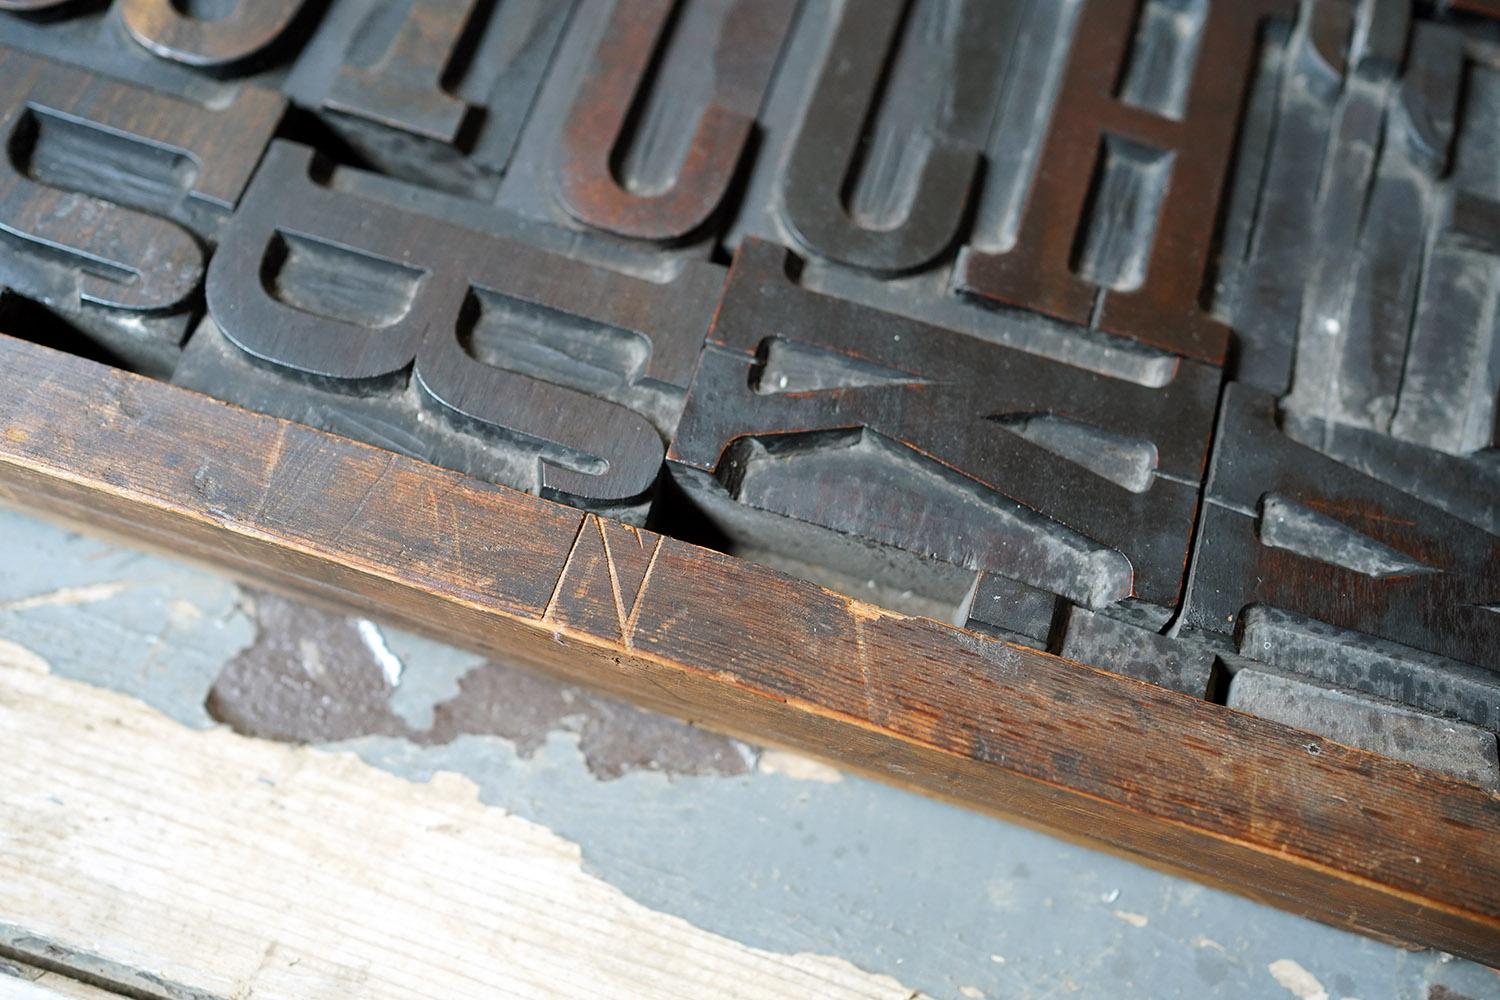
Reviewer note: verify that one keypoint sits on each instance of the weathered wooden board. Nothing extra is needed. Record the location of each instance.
(18, 982)
(178, 864)
(1347, 836)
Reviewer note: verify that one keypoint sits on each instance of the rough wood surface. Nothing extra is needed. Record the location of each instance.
(34, 984)
(206, 865)
(1324, 830)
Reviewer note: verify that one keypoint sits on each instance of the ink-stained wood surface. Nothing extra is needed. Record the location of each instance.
(197, 865)
(1349, 837)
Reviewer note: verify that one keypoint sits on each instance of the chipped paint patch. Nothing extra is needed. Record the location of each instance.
(1440, 992)
(308, 677)
(797, 767)
(1296, 980)
(409, 855)
(312, 676)
(615, 738)
(972, 992)
(1133, 919)
(390, 665)
(66, 597)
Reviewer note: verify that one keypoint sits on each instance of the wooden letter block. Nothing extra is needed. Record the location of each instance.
(831, 142)
(437, 91)
(109, 194)
(1291, 529)
(420, 334)
(1444, 745)
(864, 439)
(613, 94)
(1144, 125)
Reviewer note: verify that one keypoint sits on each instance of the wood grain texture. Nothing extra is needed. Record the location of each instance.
(47, 986)
(1324, 830)
(207, 865)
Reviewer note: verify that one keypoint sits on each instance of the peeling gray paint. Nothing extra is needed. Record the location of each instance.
(314, 677)
(430, 675)
(941, 897)
(948, 901)
(156, 629)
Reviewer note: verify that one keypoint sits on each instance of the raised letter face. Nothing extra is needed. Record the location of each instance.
(1145, 121)
(110, 192)
(877, 439)
(439, 94)
(515, 354)
(1293, 530)
(831, 142)
(403, 86)
(739, 61)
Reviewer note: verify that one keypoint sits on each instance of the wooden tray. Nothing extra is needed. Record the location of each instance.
(1347, 837)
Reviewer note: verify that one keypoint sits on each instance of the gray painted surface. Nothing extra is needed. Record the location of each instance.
(945, 900)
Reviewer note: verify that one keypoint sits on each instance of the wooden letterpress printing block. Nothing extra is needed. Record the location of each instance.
(1146, 117)
(1447, 746)
(894, 449)
(831, 143)
(472, 351)
(648, 115)
(434, 91)
(113, 195)
(171, 47)
(430, 91)
(248, 28)
(1288, 528)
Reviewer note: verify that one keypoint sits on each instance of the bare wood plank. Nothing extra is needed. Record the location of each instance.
(1324, 830)
(212, 866)
(48, 986)
(19, 981)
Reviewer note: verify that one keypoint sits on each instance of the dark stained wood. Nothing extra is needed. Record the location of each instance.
(1489, 8)
(1289, 528)
(968, 454)
(451, 273)
(1339, 834)
(613, 91)
(1130, 104)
